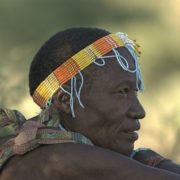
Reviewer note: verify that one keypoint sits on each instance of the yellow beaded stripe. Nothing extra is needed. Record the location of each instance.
(76, 63)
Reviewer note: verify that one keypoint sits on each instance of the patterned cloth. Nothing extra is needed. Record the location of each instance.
(28, 135)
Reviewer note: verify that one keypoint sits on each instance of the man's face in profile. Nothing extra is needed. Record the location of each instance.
(112, 109)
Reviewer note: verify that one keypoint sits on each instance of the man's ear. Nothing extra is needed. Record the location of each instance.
(61, 101)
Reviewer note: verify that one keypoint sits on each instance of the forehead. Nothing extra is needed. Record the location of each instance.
(112, 73)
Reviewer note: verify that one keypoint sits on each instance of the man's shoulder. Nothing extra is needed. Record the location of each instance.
(48, 160)
(60, 156)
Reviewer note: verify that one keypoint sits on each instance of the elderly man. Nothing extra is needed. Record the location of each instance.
(86, 81)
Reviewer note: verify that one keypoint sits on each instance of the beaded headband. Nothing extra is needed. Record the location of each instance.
(80, 61)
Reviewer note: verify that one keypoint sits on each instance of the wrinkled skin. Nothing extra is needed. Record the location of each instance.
(110, 117)
(112, 109)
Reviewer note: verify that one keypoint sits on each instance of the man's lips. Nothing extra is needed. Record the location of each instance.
(133, 136)
(131, 131)
(132, 128)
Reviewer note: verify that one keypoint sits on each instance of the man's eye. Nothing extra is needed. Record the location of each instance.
(124, 91)
(127, 91)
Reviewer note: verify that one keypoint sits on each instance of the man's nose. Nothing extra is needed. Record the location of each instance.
(136, 111)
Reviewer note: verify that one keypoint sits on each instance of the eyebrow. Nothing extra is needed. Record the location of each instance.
(126, 82)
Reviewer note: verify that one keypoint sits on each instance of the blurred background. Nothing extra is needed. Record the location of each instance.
(25, 25)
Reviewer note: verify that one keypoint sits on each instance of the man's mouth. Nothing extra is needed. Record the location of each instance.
(133, 135)
(132, 132)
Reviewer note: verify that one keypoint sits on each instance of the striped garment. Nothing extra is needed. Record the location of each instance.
(26, 135)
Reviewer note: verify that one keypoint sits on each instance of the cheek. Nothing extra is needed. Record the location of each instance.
(108, 105)
(117, 106)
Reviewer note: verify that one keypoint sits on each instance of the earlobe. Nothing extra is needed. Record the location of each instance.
(61, 101)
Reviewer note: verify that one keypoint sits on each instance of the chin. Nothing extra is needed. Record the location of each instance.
(126, 150)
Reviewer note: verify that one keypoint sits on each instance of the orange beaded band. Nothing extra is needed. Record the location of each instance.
(76, 63)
